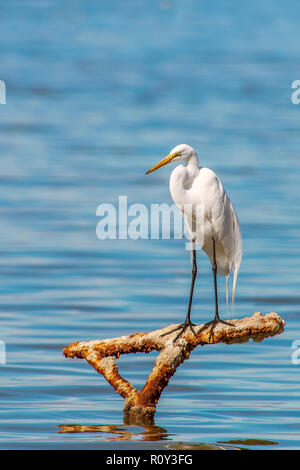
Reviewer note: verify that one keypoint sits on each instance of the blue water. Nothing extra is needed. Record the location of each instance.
(97, 92)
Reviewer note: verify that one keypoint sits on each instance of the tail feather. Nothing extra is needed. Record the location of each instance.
(235, 275)
(237, 255)
(227, 282)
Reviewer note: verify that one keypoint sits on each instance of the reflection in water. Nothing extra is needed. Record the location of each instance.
(121, 432)
(200, 446)
(150, 433)
(250, 442)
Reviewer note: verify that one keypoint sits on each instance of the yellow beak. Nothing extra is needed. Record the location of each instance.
(163, 162)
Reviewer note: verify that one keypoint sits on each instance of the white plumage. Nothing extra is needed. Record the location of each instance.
(219, 228)
(191, 185)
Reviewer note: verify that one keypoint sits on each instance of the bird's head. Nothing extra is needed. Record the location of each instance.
(180, 152)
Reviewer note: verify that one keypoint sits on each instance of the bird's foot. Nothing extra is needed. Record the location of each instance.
(213, 323)
(183, 327)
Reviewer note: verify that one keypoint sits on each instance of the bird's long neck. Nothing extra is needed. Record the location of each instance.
(182, 178)
(192, 169)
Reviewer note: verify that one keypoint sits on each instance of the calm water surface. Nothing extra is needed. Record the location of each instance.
(97, 92)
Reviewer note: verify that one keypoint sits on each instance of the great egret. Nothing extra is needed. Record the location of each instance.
(220, 235)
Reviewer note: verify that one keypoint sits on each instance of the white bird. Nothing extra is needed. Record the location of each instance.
(218, 233)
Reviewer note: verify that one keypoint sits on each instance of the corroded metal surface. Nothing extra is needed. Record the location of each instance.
(141, 406)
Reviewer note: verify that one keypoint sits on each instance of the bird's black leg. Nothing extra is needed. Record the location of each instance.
(187, 323)
(216, 320)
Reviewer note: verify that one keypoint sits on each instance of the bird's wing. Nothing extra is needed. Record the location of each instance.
(226, 227)
(219, 220)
